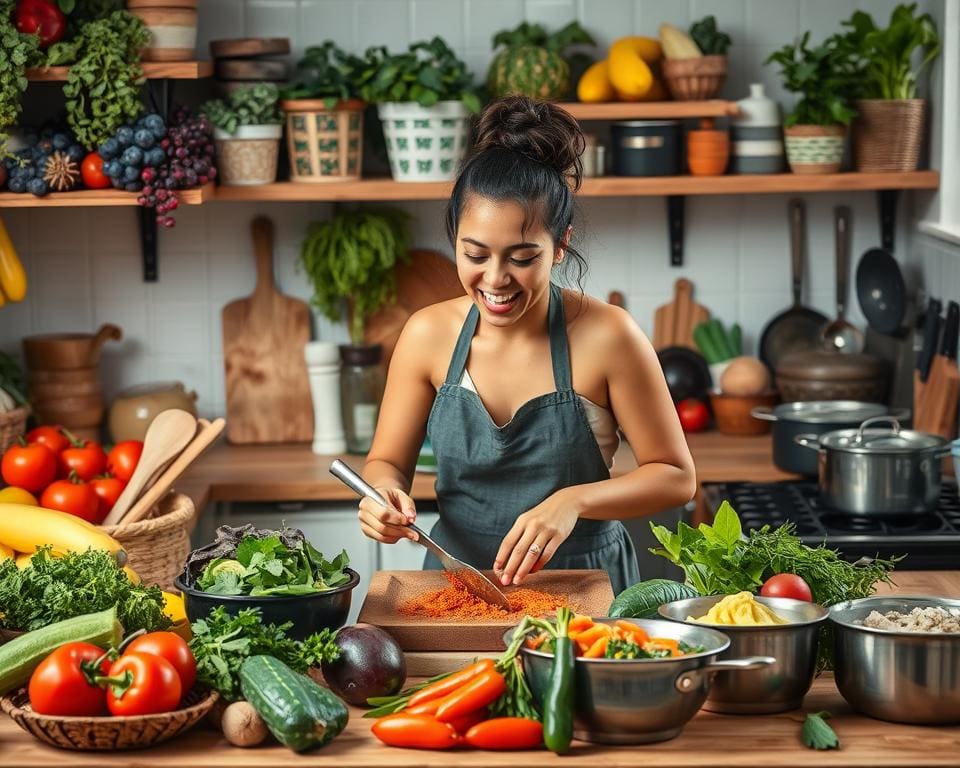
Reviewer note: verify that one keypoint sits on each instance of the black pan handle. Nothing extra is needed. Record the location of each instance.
(798, 223)
(931, 330)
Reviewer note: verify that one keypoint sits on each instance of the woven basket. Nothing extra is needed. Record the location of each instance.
(157, 546)
(695, 79)
(887, 134)
(12, 425)
(108, 733)
(324, 144)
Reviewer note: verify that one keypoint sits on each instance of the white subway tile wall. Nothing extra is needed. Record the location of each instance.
(84, 264)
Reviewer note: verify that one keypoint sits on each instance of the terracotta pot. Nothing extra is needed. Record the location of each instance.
(887, 134)
(732, 413)
(708, 150)
(814, 149)
(695, 79)
(173, 28)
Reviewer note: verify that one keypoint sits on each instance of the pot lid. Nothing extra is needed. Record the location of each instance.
(831, 366)
(829, 411)
(881, 440)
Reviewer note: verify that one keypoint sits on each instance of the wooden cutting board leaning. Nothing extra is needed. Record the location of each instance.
(673, 322)
(268, 393)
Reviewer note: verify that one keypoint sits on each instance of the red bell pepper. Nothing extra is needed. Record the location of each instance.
(42, 18)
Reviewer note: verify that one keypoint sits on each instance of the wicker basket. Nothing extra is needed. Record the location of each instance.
(12, 425)
(887, 134)
(108, 733)
(324, 144)
(695, 79)
(157, 546)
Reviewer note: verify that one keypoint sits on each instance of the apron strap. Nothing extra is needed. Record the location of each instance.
(460, 352)
(559, 348)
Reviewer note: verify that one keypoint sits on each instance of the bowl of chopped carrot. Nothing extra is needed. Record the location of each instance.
(634, 682)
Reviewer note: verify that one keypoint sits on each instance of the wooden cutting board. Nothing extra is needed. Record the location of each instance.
(268, 393)
(673, 322)
(588, 592)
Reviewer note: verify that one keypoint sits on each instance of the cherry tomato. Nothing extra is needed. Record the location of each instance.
(123, 458)
(693, 414)
(85, 457)
(142, 684)
(49, 436)
(92, 172)
(108, 490)
(171, 647)
(60, 686)
(75, 498)
(31, 467)
(787, 585)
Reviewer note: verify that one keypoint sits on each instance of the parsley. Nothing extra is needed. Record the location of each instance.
(816, 734)
(221, 642)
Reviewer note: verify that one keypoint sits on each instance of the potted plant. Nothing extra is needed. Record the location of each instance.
(247, 127)
(890, 118)
(324, 116)
(816, 129)
(425, 98)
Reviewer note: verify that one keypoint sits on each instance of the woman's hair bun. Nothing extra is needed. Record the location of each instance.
(538, 130)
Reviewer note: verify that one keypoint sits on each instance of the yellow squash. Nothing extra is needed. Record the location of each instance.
(6, 552)
(594, 85)
(24, 528)
(13, 278)
(630, 59)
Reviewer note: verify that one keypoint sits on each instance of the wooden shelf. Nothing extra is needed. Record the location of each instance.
(95, 198)
(651, 110)
(159, 70)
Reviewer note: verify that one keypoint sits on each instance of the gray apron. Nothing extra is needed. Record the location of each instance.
(487, 476)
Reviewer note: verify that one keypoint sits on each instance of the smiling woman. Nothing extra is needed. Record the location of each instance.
(521, 385)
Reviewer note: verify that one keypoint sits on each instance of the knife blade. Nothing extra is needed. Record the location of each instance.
(931, 332)
(951, 332)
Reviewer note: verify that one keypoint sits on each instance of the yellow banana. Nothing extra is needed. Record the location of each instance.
(13, 278)
(6, 552)
(24, 528)
(132, 575)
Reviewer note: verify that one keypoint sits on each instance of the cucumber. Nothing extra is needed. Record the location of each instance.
(23, 654)
(701, 337)
(642, 599)
(736, 339)
(299, 712)
(719, 337)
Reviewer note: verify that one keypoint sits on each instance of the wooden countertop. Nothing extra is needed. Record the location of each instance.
(707, 740)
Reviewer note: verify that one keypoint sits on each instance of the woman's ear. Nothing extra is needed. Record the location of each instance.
(562, 247)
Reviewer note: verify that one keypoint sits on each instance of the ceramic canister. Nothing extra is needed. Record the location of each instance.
(757, 135)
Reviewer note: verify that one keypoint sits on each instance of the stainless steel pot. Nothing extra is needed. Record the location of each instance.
(637, 701)
(813, 417)
(906, 677)
(878, 471)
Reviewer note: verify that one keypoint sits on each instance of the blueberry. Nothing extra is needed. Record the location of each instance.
(155, 157)
(130, 173)
(37, 187)
(61, 141)
(29, 172)
(76, 153)
(144, 139)
(17, 185)
(132, 156)
(133, 186)
(109, 149)
(156, 125)
(112, 168)
(125, 135)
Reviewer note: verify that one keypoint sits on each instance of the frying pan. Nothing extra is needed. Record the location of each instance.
(686, 372)
(796, 328)
(881, 290)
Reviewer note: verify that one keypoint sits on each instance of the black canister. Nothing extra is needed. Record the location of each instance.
(645, 147)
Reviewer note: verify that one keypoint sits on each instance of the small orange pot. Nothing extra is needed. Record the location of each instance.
(708, 150)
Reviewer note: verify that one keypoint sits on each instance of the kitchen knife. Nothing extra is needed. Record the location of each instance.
(951, 332)
(931, 331)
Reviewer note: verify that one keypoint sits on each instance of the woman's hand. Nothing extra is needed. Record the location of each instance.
(388, 524)
(534, 538)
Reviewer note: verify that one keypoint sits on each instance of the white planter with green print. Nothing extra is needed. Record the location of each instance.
(425, 143)
(815, 149)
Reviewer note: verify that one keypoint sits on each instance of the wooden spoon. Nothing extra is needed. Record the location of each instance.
(168, 434)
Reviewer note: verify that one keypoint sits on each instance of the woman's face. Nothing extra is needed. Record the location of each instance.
(503, 269)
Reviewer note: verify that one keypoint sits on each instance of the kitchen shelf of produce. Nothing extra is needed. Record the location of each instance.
(93, 198)
(159, 70)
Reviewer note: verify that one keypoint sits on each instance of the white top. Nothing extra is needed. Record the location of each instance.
(601, 420)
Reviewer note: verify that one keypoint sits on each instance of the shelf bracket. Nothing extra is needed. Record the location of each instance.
(675, 208)
(160, 94)
(887, 202)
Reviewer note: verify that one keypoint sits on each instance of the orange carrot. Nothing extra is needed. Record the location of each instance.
(598, 649)
(450, 683)
(415, 731)
(476, 694)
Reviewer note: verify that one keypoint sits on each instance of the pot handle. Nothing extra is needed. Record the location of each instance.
(763, 412)
(808, 441)
(689, 681)
(886, 419)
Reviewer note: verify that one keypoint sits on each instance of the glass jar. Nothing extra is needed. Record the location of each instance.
(361, 390)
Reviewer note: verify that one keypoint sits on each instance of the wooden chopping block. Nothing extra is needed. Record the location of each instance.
(673, 322)
(252, 70)
(268, 393)
(242, 47)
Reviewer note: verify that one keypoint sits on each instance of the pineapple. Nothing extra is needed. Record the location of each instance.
(531, 63)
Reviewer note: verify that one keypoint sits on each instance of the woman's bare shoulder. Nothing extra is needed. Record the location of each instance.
(429, 336)
(598, 323)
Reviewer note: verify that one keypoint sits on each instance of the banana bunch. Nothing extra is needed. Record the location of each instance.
(13, 278)
(23, 528)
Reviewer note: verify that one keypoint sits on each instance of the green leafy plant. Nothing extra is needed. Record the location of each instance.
(16, 53)
(816, 733)
(823, 75)
(253, 105)
(884, 55)
(710, 40)
(325, 72)
(427, 73)
(353, 255)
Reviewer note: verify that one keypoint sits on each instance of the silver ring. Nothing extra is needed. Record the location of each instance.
(534, 549)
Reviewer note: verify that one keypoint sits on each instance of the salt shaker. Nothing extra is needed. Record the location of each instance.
(323, 369)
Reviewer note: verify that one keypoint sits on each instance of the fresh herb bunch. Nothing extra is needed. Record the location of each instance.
(353, 255)
(816, 732)
(325, 72)
(824, 76)
(17, 51)
(427, 73)
(884, 55)
(57, 588)
(252, 105)
(221, 642)
(710, 40)
(268, 567)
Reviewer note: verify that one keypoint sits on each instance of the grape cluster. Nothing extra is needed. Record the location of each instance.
(27, 168)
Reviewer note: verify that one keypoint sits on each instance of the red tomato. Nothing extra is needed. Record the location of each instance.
(693, 414)
(84, 457)
(92, 172)
(108, 490)
(31, 467)
(49, 436)
(59, 686)
(75, 498)
(152, 685)
(123, 458)
(174, 649)
(787, 585)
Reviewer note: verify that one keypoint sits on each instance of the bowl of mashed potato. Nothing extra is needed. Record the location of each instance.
(785, 629)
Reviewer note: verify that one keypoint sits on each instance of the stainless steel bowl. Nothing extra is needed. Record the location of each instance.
(905, 677)
(637, 701)
(777, 688)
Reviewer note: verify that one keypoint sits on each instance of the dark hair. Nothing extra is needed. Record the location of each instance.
(527, 151)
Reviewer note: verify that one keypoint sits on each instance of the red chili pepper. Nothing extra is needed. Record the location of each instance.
(506, 733)
(475, 695)
(449, 684)
(463, 724)
(42, 18)
(415, 732)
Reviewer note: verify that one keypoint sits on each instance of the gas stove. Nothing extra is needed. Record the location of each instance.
(930, 542)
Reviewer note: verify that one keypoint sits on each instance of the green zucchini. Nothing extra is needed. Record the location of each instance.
(299, 712)
(641, 600)
(23, 654)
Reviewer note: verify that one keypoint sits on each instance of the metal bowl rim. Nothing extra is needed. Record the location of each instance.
(836, 615)
(770, 602)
